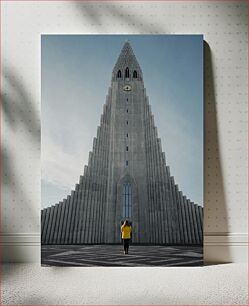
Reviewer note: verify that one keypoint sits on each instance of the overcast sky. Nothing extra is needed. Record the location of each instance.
(76, 74)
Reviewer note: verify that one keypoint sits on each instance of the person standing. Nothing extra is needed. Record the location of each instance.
(126, 235)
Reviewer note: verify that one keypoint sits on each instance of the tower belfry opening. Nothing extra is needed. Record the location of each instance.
(127, 73)
(126, 177)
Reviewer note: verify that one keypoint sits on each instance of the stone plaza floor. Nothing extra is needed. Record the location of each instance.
(113, 256)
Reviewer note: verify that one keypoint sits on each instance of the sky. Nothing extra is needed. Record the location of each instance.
(75, 77)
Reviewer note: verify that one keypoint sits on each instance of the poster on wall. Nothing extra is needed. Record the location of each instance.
(122, 150)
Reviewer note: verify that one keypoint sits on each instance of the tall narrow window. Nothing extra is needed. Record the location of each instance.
(127, 122)
(135, 74)
(126, 163)
(127, 149)
(127, 135)
(119, 75)
(127, 72)
(127, 200)
(127, 111)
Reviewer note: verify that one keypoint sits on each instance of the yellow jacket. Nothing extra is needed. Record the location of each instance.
(126, 232)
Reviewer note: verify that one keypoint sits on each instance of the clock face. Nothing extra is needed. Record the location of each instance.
(127, 88)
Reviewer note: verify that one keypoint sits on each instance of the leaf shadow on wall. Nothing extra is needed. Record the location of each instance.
(19, 111)
(124, 17)
(215, 207)
(20, 118)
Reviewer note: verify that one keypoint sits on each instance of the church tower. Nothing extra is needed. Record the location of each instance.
(126, 177)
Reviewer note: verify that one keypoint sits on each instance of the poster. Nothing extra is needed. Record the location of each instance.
(122, 150)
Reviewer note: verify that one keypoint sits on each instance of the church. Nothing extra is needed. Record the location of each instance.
(126, 178)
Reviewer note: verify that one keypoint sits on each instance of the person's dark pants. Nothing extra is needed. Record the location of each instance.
(126, 245)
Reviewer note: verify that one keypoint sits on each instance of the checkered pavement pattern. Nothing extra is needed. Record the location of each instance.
(113, 256)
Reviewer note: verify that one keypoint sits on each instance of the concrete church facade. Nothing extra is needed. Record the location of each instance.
(126, 177)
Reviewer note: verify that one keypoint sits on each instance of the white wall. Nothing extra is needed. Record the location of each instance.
(224, 25)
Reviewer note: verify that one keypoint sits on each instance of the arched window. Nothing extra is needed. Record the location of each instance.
(127, 73)
(119, 75)
(135, 74)
(127, 200)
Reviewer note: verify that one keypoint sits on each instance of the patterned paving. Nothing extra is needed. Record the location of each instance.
(112, 256)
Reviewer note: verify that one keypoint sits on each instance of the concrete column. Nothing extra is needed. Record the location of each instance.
(85, 207)
(78, 226)
(164, 225)
(184, 219)
(149, 175)
(200, 210)
(165, 207)
(147, 150)
(174, 212)
(99, 177)
(64, 227)
(78, 207)
(108, 229)
(69, 219)
(198, 220)
(61, 221)
(105, 173)
(147, 126)
(81, 212)
(44, 229)
(43, 215)
(106, 141)
(100, 198)
(51, 211)
(56, 212)
(92, 194)
(201, 216)
(51, 236)
(44, 224)
(154, 187)
(47, 224)
(197, 239)
(170, 205)
(165, 196)
(88, 197)
(154, 191)
(155, 184)
(96, 189)
(98, 210)
(144, 198)
(101, 214)
(161, 194)
(190, 239)
(57, 223)
(191, 221)
(153, 200)
(179, 215)
(166, 203)
(146, 153)
(73, 212)
(184, 222)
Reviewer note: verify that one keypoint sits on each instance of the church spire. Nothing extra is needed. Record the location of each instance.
(127, 64)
